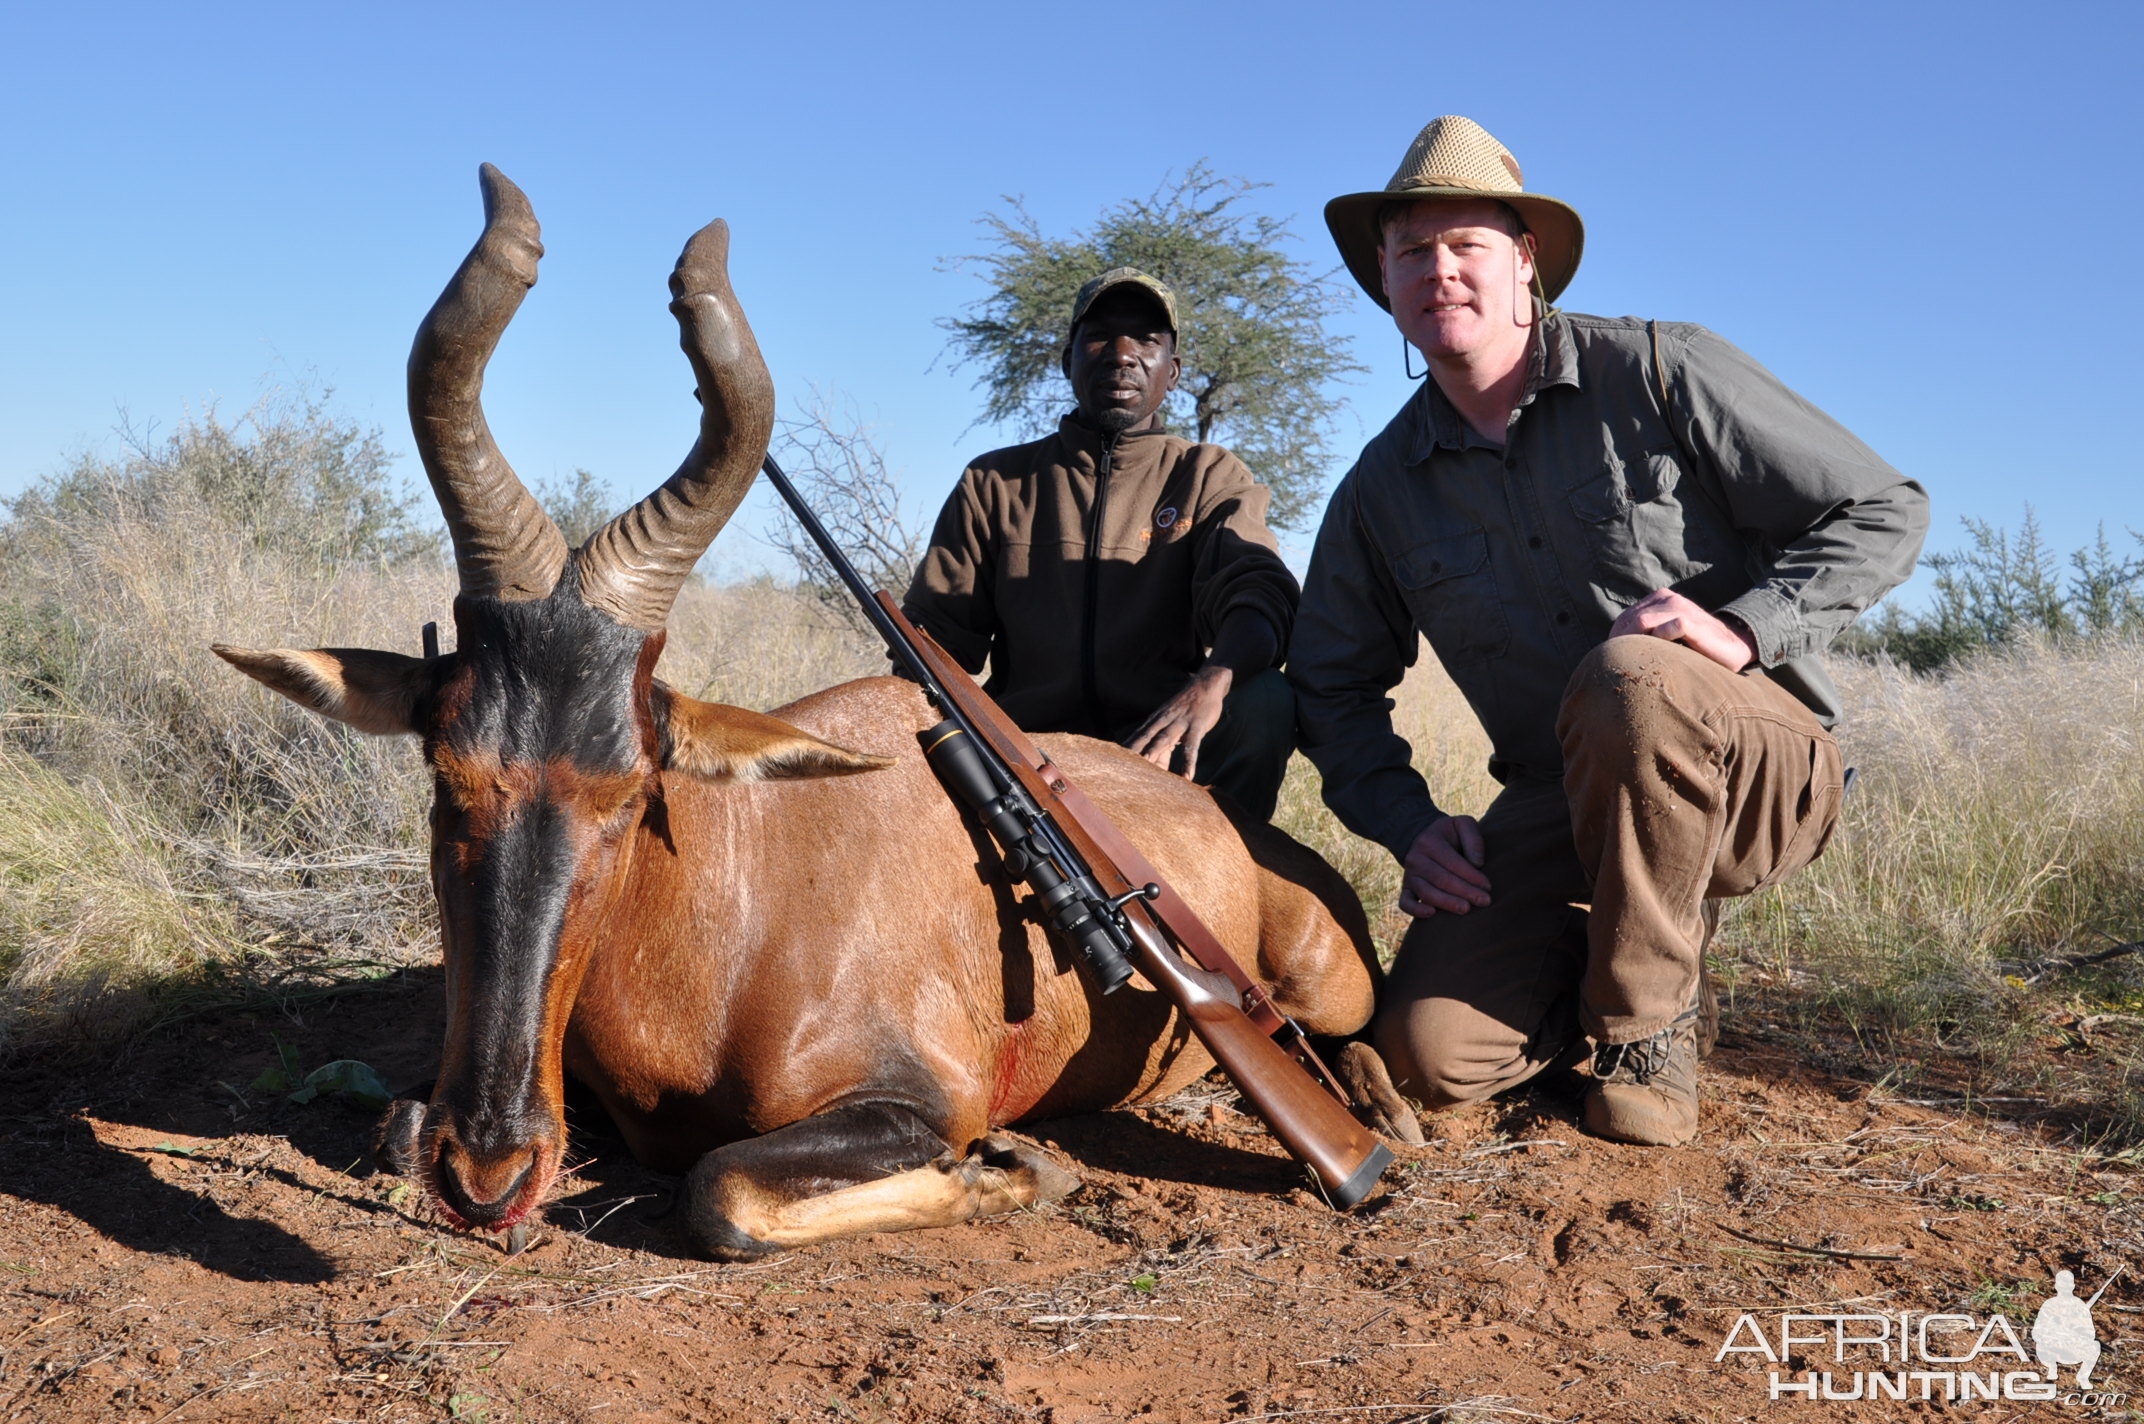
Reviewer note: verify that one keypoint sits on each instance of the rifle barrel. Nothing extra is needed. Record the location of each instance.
(855, 583)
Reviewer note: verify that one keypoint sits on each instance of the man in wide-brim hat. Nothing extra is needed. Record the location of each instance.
(1626, 541)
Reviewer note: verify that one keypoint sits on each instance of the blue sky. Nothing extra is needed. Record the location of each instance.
(1923, 217)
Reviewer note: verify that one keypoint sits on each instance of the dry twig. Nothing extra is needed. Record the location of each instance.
(1812, 1250)
(2040, 970)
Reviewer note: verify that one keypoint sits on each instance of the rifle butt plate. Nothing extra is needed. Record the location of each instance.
(1356, 1187)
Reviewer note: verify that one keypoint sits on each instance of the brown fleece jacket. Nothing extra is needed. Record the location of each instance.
(1094, 572)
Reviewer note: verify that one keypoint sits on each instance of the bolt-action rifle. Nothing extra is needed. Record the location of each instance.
(1100, 893)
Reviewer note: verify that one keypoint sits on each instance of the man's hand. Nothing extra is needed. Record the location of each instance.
(1443, 869)
(1664, 613)
(1184, 720)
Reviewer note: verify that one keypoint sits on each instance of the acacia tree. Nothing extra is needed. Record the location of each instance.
(1257, 359)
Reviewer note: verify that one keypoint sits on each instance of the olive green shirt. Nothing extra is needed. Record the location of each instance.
(1514, 560)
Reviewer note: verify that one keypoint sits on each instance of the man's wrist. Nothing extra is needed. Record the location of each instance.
(1734, 624)
(1405, 844)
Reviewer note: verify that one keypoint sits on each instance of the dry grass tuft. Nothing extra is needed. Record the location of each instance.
(1998, 815)
(91, 905)
(131, 747)
(1997, 824)
(760, 645)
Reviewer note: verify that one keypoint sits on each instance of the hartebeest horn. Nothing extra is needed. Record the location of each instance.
(633, 567)
(504, 544)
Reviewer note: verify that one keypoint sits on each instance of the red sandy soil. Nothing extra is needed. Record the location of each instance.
(172, 1249)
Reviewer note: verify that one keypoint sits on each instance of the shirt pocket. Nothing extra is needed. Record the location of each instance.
(1632, 521)
(1451, 591)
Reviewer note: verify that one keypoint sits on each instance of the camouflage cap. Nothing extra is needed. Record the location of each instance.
(1091, 291)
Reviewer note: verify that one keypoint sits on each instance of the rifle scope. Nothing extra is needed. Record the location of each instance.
(1076, 905)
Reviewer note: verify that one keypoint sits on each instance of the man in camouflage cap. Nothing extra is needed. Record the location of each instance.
(1626, 541)
(1120, 581)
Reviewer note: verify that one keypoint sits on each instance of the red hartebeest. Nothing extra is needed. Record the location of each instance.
(782, 964)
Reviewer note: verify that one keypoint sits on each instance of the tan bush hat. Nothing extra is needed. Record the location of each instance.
(1456, 158)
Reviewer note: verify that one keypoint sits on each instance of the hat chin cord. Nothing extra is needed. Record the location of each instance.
(1521, 296)
(1407, 359)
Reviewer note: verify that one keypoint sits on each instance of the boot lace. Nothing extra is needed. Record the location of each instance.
(1643, 1061)
(1639, 1062)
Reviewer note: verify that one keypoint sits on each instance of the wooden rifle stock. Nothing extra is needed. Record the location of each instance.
(1287, 1086)
(1315, 1127)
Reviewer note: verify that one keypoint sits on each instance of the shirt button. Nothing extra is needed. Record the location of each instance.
(1534, 542)
(1510, 463)
(1563, 617)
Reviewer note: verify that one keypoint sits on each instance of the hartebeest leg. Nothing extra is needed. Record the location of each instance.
(862, 1168)
(1370, 1093)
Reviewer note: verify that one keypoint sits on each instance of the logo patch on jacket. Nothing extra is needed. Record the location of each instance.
(1171, 521)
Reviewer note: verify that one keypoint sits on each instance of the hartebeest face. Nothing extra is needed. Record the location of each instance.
(542, 744)
(549, 738)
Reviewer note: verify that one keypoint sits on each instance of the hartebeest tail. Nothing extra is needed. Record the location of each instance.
(787, 977)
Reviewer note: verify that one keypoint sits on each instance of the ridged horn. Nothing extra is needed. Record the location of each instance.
(633, 567)
(504, 544)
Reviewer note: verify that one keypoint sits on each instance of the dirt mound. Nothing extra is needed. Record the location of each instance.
(177, 1245)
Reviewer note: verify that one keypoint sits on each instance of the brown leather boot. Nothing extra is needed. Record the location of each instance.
(1646, 1092)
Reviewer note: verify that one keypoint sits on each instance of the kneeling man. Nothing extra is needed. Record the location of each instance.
(1626, 541)
(1122, 582)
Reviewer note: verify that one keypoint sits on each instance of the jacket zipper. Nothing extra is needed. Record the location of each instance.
(1090, 683)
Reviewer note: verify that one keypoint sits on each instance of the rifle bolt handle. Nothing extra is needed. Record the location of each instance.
(1148, 891)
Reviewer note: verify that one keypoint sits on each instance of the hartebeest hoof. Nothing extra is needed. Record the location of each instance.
(394, 1138)
(1006, 1153)
(1377, 1104)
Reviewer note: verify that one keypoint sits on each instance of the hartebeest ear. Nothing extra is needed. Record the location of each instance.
(722, 743)
(373, 692)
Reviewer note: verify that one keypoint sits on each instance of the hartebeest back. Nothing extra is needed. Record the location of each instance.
(787, 976)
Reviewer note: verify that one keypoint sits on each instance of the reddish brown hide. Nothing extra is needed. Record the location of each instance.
(787, 967)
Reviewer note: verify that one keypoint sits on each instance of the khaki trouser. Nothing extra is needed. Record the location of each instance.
(1682, 782)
